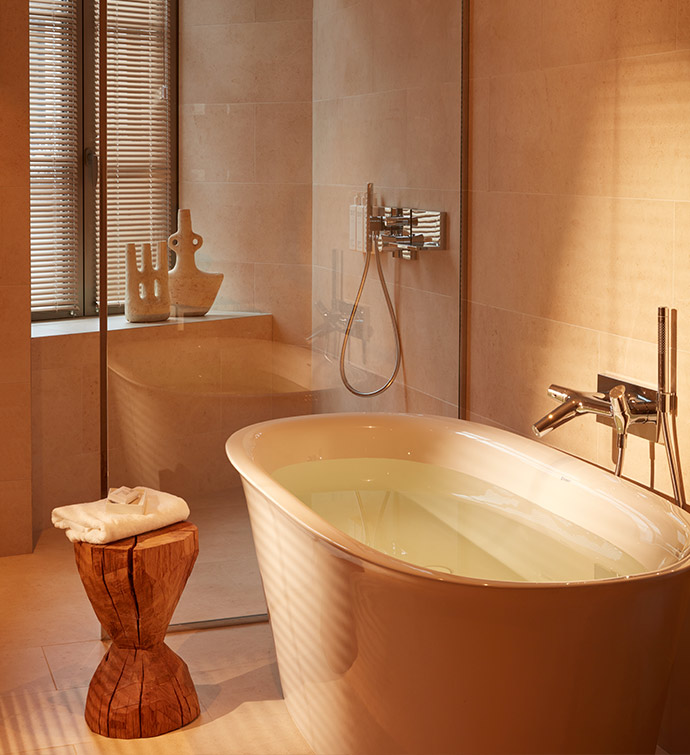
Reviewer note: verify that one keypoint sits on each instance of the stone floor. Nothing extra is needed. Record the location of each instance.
(50, 646)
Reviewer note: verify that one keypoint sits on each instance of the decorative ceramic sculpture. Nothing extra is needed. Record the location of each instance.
(192, 291)
(147, 296)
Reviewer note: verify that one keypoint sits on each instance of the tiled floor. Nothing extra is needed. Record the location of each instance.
(50, 647)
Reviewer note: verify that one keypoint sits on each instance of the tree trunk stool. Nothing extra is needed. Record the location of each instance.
(141, 687)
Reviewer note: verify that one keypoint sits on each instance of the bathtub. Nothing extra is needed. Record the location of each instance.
(175, 395)
(540, 613)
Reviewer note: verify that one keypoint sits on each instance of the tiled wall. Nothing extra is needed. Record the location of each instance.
(245, 152)
(15, 376)
(387, 111)
(65, 422)
(579, 208)
(580, 221)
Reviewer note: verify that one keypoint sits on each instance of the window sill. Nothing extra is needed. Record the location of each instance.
(72, 326)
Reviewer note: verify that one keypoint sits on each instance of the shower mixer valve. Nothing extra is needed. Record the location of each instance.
(405, 231)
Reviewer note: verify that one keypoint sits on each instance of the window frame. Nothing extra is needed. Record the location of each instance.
(87, 163)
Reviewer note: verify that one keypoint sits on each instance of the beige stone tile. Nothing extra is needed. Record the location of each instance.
(283, 143)
(215, 12)
(15, 517)
(14, 116)
(260, 727)
(248, 223)
(57, 410)
(246, 63)
(237, 290)
(505, 36)
(479, 135)
(285, 291)
(586, 30)
(62, 480)
(653, 127)
(14, 230)
(23, 671)
(344, 43)
(322, 7)
(217, 143)
(511, 354)
(683, 34)
(365, 143)
(545, 248)
(72, 665)
(16, 351)
(433, 136)
(421, 46)
(15, 443)
(555, 131)
(283, 10)
(681, 272)
(43, 584)
(221, 589)
(330, 224)
(58, 351)
(39, 720)
(428, 330)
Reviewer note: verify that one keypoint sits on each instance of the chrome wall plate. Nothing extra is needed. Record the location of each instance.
(639, 394)
(406, 231)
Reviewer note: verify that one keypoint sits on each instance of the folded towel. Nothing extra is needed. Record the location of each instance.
(91, 523)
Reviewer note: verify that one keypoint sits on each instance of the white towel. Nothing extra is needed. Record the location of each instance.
(90, 523)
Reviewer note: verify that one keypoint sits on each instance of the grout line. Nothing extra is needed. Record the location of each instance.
(50, 670)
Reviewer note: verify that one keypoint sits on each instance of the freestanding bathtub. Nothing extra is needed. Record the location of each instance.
(438, 586)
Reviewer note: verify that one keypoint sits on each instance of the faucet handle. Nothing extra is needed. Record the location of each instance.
(620, 409)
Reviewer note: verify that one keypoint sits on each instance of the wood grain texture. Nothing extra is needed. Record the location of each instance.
(141, 688)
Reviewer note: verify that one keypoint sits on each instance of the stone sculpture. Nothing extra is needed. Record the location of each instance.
(192, 291)
(147, 295)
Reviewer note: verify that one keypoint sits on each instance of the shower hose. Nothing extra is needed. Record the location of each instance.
(393, 318)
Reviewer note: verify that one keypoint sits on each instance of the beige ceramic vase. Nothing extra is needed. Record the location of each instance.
(192, 291)
(147, 297)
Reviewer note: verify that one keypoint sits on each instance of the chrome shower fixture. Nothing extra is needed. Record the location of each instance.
(630, 408)
(405, 231)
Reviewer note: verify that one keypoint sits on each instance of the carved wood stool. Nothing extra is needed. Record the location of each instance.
(141, 687)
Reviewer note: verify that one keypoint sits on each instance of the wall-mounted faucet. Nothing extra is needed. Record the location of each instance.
(624, 405)
(629, 408)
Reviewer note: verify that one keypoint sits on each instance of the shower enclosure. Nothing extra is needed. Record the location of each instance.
(286, 112)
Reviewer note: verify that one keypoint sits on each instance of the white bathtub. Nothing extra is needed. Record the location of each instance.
(539, 649)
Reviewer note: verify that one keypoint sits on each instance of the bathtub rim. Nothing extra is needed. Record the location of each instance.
(289, 505)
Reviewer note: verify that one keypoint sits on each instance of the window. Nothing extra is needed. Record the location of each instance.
(141, 115)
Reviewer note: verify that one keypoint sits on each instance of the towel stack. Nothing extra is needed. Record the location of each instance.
(100, 522)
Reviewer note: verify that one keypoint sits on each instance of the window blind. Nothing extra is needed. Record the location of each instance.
(140, 146)
(55, 152)
(140, 137)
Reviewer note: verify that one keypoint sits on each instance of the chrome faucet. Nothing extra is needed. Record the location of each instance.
(623, 407)
(573, 403)
(628, 406)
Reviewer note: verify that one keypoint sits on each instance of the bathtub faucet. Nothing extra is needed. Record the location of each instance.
(618, 405)
(573, 403)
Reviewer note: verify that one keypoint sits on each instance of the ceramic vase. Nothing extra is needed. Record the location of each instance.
(147, 295)
(192, 291)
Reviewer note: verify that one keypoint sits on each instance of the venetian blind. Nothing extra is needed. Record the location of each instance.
(140, 145)
(55, 152)
(141, 168)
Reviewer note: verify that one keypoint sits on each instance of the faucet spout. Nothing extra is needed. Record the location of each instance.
(559, 416)
(573, 403)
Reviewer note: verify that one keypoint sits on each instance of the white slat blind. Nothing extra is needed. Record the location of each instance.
(140, 160)
(55, 152)
(140, 145)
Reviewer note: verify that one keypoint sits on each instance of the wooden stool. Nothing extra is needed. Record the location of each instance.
(141, 688)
